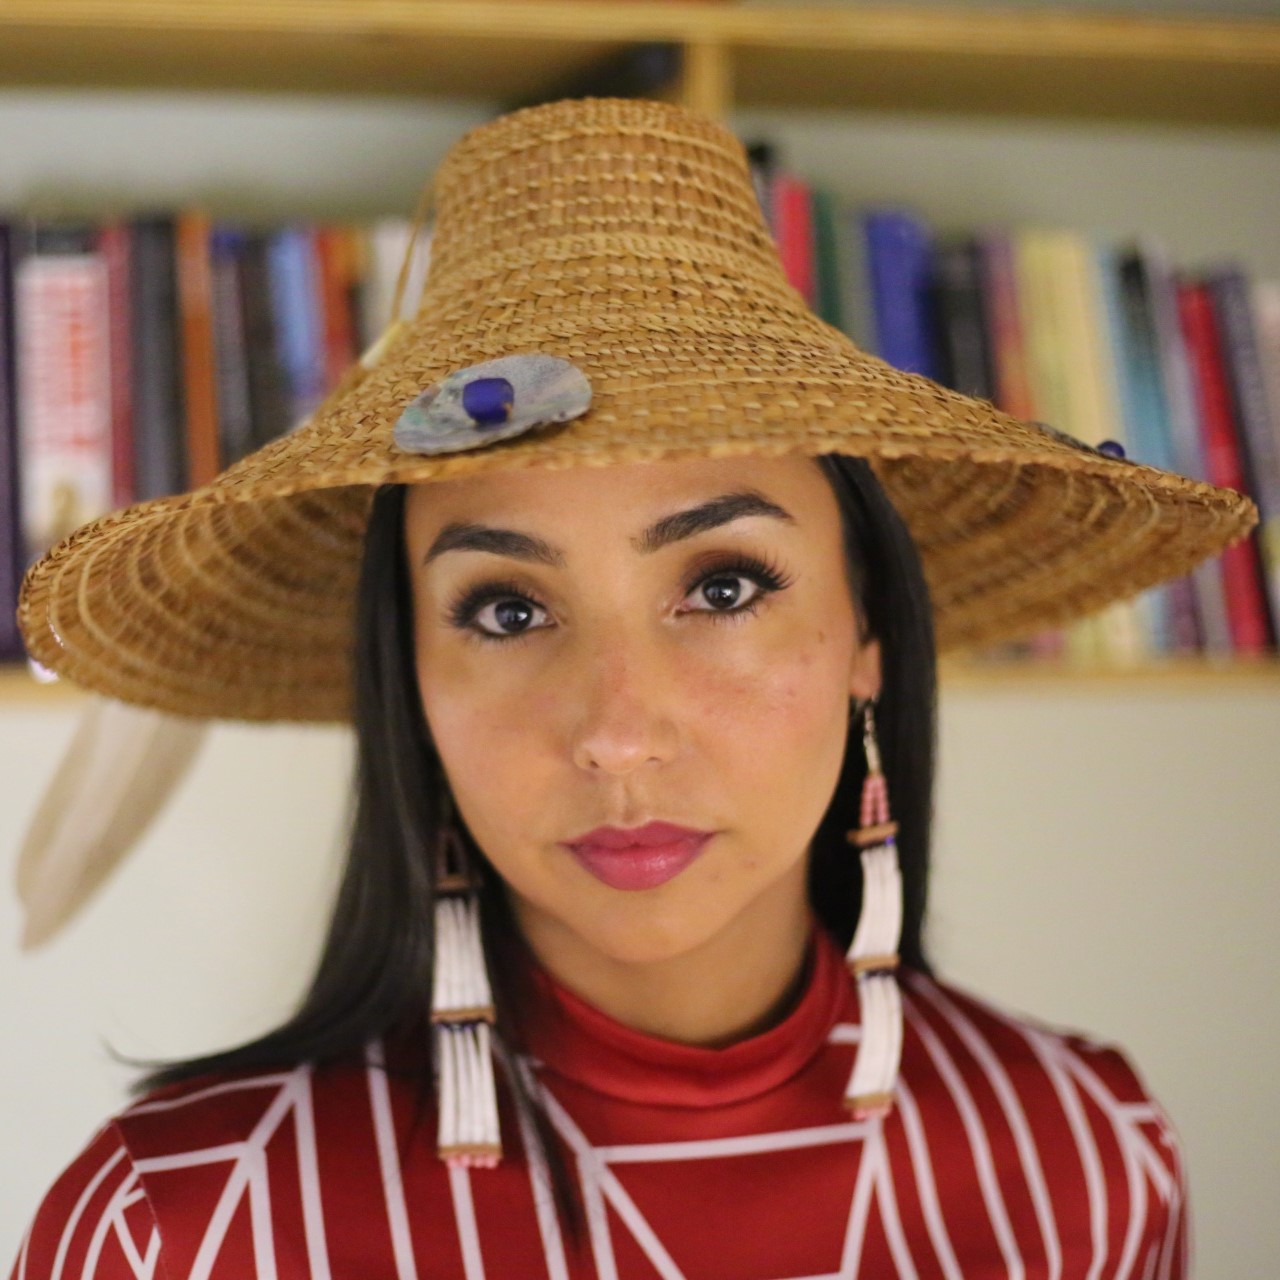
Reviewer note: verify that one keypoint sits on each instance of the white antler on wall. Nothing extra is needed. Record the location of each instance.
(122, 765)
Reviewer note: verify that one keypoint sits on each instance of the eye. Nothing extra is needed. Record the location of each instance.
(719, 586)
(500, 605)
(490, 611)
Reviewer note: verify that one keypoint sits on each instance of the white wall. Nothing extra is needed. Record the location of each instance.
(1106, 856)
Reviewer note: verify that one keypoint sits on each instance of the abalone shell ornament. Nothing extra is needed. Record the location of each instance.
(496, 400)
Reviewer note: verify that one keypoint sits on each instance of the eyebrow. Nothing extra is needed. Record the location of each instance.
(471, 536)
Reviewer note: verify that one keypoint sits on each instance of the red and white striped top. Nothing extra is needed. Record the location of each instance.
(1013, 1151)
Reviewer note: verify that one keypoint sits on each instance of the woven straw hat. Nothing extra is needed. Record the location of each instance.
(625, 237)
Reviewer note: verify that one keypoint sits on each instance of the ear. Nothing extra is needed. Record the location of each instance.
(864, 677)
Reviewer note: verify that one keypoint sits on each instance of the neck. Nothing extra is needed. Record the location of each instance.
(738, 983)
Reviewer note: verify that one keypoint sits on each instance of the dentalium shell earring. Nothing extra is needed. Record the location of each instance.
(873, 953)
(462, 1013)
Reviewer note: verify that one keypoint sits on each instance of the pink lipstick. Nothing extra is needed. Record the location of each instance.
(640, 858)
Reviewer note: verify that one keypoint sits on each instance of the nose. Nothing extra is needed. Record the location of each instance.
(625, 690)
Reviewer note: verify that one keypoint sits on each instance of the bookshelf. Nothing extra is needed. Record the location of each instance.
(1045, 64)
(1049, 63)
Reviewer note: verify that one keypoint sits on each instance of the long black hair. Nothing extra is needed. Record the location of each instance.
(374, 973)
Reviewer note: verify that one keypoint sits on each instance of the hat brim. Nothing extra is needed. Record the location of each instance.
(236, 600)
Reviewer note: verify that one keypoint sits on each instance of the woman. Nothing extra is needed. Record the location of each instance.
(627, 570)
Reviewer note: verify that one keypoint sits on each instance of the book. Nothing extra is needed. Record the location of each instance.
(965, 362)
(269, 399)
(1171, 608)
(1002, 310)
(1242, 580)
(899, 251)
(793, 232)
(824, 216)
(114, 245)
(156, 381)
(336, 260)
(199, 361)
(292, 271)
(1251, 415)
(12, 555)
(1184, 431)
(231, 358)
(62, 320)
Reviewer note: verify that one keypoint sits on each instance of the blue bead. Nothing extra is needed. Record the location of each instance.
(488, 401)
(1112, 448)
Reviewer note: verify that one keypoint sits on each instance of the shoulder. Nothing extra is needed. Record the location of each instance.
(956, 1023)
(144, 1193)
(1062, 1117)
(94, 1221)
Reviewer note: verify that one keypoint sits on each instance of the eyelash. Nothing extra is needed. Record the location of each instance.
(766, 574)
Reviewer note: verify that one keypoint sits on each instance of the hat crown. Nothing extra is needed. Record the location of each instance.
(622, 168)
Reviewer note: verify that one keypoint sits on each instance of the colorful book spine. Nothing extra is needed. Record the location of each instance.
(156, 382)
(824, 215)
(1011, 386)
(794, 233)
(294, 290)
(960, 320)
(1252, 416)
(270, 407)
(1136, 381)
(113, 244)
(199, 361)
(63, 375)
(899, 263)
(12, 555)
(1245, 604)
(1181, 399)
(231, 358)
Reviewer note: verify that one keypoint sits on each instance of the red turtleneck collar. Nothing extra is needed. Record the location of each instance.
(576, 1040)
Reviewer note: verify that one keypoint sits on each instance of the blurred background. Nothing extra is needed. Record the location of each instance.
(1106, 832)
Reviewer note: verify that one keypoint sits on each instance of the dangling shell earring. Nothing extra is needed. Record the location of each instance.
(873, 953)
(462, 1014)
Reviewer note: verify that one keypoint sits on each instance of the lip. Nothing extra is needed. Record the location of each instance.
(639, 858)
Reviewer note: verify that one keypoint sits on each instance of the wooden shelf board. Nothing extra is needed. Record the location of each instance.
(19, 688)
(1051, 63)
(1173, 674)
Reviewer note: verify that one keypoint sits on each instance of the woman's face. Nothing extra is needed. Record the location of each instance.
(680, 645)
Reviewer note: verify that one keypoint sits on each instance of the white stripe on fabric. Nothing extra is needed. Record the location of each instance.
(644, 1234)
(746, 1145)
(106, 1222)
(233, 1190)
(64, 1241)
(229, 1086)
(890, 1219)
(1045, 1048)
(389, 1163)
(926, 1186)
(540, 1177)
(129, 1246)
(589, 1172)
(264, 1247)
(229, 1151)
(153, 1255)
(1028, 1155)
(859, 1209)
(304, 1120)
(980, 1148)
(464, 1214)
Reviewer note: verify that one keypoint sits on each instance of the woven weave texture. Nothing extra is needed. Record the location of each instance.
(623, 235)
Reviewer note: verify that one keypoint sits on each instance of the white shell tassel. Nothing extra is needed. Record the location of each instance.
(462, 1014)
(873, 952)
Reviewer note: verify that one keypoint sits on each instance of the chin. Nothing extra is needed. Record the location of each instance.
(646, 937)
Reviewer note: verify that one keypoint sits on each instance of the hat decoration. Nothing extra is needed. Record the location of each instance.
(492, 401)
